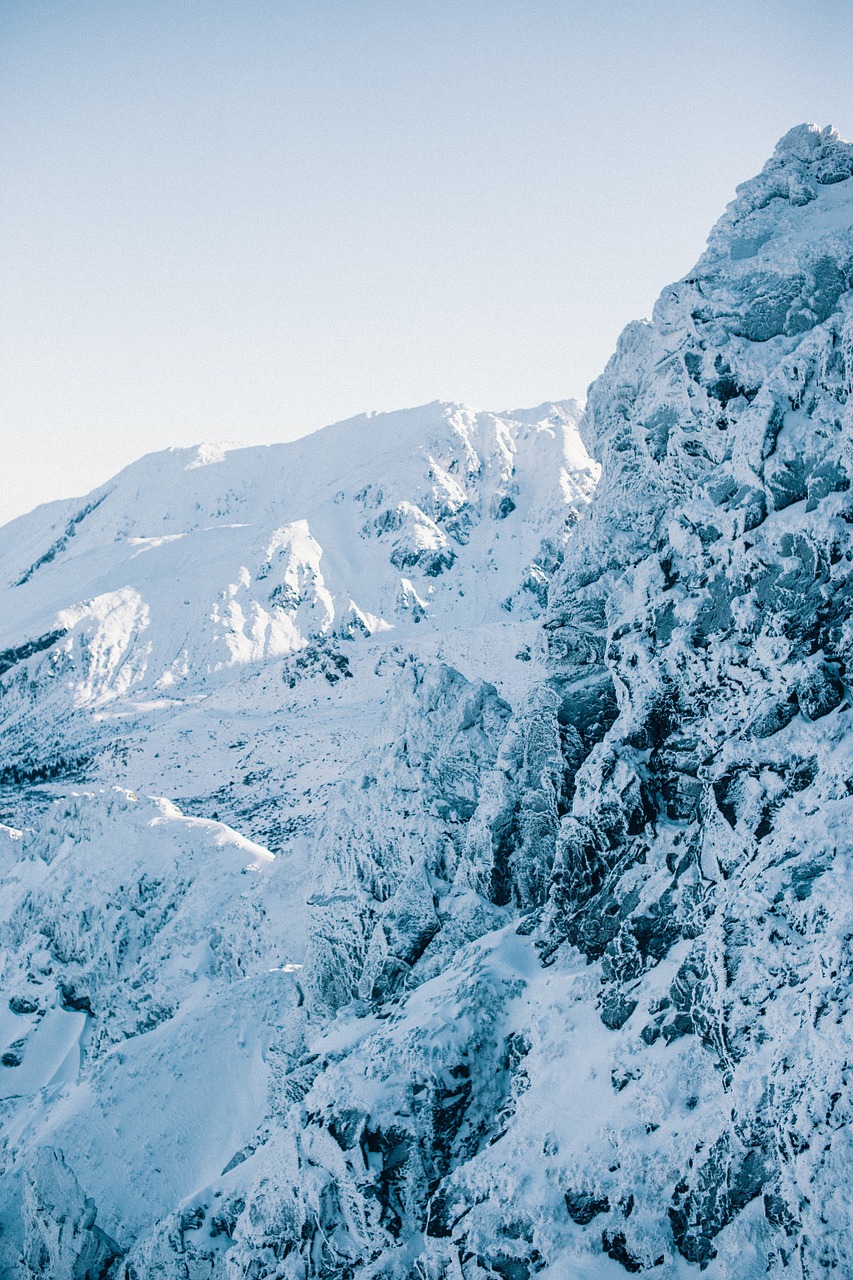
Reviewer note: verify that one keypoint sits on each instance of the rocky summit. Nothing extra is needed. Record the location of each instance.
(415, 867)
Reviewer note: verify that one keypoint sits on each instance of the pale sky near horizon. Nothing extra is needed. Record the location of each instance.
(240, 219)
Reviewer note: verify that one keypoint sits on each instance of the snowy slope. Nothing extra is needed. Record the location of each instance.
(202, 588)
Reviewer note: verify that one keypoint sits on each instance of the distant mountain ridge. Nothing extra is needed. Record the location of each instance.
(195, 577)
(224, 548)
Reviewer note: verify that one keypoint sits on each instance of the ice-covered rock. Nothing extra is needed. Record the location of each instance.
(389, 850)
(61, 1237)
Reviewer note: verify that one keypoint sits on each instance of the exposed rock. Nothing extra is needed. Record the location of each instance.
(61, 1238)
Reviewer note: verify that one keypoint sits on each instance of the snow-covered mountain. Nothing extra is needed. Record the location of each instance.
(244, 632)
(550, 974)
(204, 594)
(192, 562)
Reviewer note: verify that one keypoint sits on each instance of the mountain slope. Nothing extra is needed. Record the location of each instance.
(241, 631)
(200, 582)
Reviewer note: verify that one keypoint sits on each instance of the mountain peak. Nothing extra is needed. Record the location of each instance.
(806, 159)
(813, 145)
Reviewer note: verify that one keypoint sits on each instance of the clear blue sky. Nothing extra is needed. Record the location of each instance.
(241, 220)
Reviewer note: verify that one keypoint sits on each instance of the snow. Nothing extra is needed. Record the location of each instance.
(170, 571)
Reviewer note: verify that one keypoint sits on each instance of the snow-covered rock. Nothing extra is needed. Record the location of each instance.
(200, 582)
(707, 832)
(61, 1238)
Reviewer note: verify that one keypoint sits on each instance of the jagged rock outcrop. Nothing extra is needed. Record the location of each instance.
(388, 855)
(709, 818)
(62, 1240)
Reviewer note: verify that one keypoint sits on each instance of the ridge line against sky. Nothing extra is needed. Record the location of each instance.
(244, 220)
